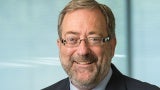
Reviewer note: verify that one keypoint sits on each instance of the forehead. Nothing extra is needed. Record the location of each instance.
(84, 21)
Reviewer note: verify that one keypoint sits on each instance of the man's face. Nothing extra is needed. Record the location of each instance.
(85, 65)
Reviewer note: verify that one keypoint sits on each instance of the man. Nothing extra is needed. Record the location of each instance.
(86, 44)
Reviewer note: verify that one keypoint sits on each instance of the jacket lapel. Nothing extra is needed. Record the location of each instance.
(117, 81)
(66, 85)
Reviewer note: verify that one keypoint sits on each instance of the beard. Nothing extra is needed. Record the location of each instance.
(92, 73)
(89, 76)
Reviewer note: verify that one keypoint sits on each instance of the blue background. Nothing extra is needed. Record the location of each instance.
(29, 57)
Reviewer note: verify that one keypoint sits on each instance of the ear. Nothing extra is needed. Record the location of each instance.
(113, 45)
(58, 43)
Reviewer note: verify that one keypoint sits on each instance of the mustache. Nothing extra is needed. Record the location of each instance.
(85, 58)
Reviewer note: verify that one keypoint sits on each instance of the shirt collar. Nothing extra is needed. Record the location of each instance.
(101, 86)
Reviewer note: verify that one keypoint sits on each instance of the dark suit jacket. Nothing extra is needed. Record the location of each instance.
(117, 82)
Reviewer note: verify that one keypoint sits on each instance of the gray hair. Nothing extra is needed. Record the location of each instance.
(89, 4)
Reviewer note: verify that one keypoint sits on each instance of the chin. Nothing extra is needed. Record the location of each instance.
(85, 80)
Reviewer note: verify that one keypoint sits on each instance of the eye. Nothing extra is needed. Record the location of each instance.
(94, 39)
(72, 40)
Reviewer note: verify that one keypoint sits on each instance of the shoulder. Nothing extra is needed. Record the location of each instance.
(134, 84)
(127, 83)
(61, 85)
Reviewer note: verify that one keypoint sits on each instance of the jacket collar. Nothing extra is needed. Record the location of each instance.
(117, 81)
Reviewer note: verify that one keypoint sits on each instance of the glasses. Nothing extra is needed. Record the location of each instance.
(91, 41)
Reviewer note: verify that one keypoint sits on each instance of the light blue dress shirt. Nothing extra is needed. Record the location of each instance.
(101, 86)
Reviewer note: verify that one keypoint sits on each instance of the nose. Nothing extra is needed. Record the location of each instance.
(83, 48)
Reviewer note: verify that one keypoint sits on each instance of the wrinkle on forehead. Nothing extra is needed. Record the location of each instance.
(84, 21)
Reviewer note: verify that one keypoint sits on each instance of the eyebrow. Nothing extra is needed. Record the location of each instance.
(92, 33)
(71, 32)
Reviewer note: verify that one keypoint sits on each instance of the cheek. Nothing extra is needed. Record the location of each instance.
(99, 51)
(107, 50)
(103, 53)
(66, 53)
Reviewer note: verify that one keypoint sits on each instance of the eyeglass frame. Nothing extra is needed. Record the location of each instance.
(103, 40)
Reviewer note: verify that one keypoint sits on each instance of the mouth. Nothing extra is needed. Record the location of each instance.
(84, 60)
(83, 63)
